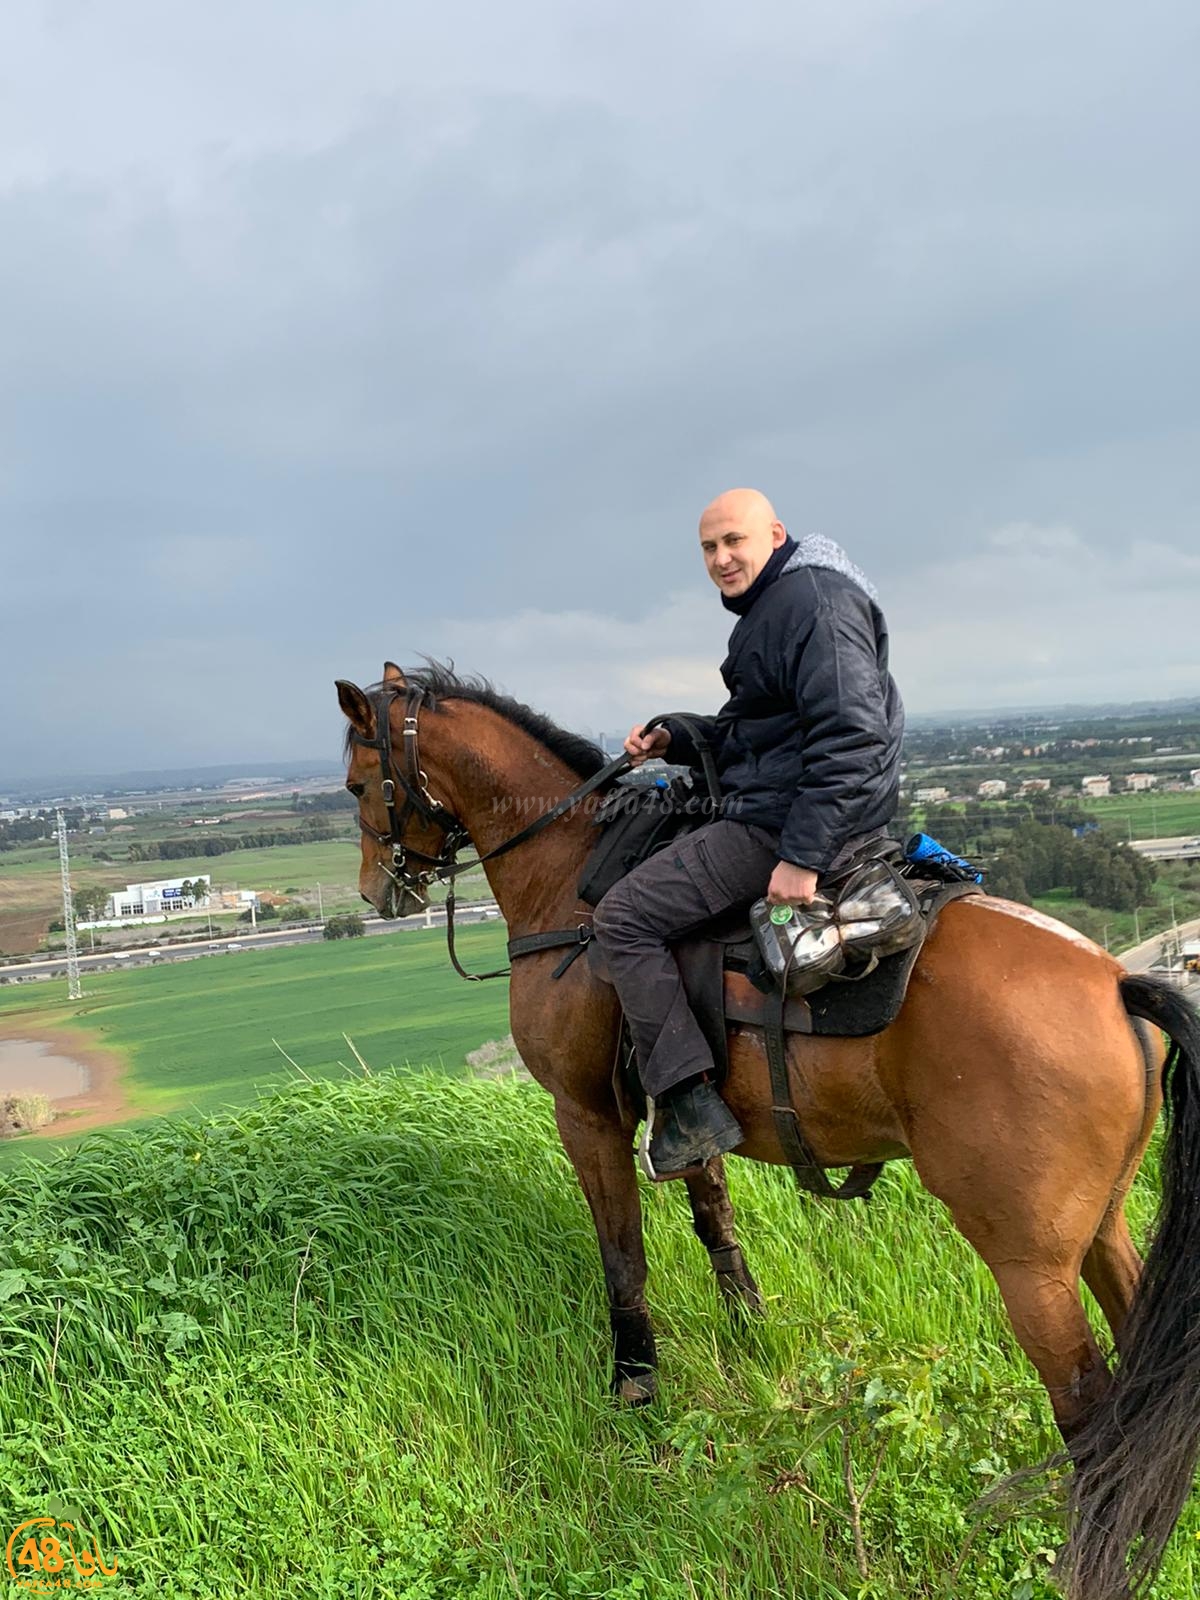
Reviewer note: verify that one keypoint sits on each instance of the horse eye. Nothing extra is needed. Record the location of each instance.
(357, 790)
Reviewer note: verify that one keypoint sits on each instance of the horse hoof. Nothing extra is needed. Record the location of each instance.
(637, 1389)
(741, 1296)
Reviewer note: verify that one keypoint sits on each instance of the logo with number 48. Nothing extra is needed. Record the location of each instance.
(45, 1555)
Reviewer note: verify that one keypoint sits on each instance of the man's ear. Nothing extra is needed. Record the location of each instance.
(357, 707)
(393, 676)
(778, 534)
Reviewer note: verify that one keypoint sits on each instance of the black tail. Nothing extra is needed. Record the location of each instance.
(1136, 1455)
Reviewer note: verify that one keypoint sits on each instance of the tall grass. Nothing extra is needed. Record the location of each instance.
(352, 1341)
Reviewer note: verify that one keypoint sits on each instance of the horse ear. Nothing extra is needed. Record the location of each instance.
(393, 675)
(356, 706)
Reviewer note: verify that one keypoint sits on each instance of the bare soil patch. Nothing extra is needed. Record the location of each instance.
(103, 1101)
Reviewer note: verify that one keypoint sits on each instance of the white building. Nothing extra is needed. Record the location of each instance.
(1135, 782)
(155, 899)
(932, 796)
(1097, 786)
(1034, 786)
(1196, 777)
(993, 789)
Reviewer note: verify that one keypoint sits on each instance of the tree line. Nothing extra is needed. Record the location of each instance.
(1039, 855)
(310, 831)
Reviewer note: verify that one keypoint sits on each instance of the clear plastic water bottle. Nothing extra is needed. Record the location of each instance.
(801, 945)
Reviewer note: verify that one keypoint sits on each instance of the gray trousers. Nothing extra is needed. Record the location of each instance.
(720, 866)
(704, 874)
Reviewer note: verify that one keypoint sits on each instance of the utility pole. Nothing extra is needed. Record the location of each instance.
(1137, 927)
(74, 987)
(320, 906)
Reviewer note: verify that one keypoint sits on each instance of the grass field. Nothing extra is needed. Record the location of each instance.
(199, 1033)
(353, 1342)
(1149, 816)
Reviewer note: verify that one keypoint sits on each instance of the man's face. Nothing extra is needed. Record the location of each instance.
(737, 548)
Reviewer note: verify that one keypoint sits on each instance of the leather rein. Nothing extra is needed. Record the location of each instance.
(445, 866)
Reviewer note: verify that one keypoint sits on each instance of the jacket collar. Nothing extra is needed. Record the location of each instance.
(776, 562)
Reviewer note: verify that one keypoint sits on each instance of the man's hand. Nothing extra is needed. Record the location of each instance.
(791, 885)
(641, 746)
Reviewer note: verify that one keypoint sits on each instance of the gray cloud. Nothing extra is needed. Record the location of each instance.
(330, 337)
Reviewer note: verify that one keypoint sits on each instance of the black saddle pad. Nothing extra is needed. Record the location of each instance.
(866, 1005)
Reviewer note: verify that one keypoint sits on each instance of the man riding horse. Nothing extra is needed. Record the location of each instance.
(807, 749)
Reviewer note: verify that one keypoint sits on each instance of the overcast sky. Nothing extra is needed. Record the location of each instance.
(332, 333)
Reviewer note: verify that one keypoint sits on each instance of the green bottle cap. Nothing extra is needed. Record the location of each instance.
(781, 915)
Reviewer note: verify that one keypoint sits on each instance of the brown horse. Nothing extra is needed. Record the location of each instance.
(1013, 1078)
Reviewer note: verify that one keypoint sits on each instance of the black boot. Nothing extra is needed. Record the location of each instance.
(696, 1125)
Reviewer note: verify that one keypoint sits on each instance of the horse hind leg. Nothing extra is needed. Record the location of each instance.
(712, 1218)
(1043, 1304)
(1112, 1269)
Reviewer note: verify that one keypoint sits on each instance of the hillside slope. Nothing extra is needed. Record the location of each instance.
(352, 1342)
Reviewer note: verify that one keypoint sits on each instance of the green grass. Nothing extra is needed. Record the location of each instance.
(353, 1342)
(199, 1033)
(1149, 816)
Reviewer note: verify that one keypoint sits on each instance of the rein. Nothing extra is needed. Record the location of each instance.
(445, 866)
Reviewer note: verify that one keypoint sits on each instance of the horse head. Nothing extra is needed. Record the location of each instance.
(407, 836)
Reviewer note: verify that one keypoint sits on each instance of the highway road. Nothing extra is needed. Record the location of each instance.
(1141, 957)
(1181, 848)
(296, 933)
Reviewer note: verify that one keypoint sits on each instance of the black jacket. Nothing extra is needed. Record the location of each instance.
(808, 743)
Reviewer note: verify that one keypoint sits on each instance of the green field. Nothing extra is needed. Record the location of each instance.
(353, 1341)
(199, 1033)
(1149, 816)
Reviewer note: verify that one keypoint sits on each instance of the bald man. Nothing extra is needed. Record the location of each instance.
(807, 749)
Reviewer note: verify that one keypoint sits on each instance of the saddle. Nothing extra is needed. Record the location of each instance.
(733, 978)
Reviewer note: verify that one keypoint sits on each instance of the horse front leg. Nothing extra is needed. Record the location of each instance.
(601, 1151)
(712, 1218)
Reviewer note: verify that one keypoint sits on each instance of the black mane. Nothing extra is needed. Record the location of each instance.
(440, 681)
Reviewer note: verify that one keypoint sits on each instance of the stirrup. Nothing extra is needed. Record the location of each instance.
(644, 1160)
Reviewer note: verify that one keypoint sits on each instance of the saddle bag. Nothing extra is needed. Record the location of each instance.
(635, 821)
(872, 912)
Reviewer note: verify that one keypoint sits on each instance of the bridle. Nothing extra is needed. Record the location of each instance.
(418, 801)
(417, 798)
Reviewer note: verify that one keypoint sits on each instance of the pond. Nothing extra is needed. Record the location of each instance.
(32, 1066)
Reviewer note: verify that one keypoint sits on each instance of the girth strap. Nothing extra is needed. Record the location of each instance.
(575, 939)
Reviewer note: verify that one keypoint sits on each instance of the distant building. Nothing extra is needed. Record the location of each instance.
(1135, 782)
(117, 813)
(155, 899)
(1097, 786)
(931, 796)
(1196, 777)
(993, 789)
(1033, 786)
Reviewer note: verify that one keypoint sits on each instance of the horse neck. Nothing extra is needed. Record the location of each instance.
(497, 779)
